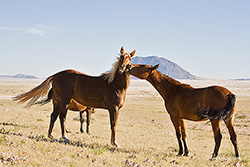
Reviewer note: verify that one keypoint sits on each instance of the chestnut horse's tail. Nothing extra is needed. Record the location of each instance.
(35, 93)
(224, 113)
(47, 100)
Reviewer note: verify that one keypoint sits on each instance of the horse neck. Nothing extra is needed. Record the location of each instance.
(165, 85)
(121, 81)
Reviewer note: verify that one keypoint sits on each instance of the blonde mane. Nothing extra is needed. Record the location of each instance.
(110, 76)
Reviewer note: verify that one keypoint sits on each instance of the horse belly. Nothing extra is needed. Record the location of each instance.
(193, 118)
(75, 106)
(91, 94)
(190, 113)
(93, 101)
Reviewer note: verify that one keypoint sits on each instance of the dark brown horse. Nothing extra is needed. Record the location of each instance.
(73, 106)
(182, 101)
(107, 91)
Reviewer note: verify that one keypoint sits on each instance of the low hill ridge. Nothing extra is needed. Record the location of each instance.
(19, 76)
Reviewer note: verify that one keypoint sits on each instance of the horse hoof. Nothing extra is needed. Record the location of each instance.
(186, 154)
(66, 140)
(237, 160)
(213, 158)
(179, 154)
(50, 136)
(116, 145)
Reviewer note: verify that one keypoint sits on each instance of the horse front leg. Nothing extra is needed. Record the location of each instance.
(113, 114)
(183, 135)
(176, 123)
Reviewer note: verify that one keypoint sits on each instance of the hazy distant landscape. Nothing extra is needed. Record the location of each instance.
(19, 76)
(166, 67)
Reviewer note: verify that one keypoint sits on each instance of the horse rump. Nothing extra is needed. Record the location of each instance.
(226, 112)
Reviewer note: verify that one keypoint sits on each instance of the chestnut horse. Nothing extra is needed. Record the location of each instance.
(73, 106)
(182, 101)
(107, 91)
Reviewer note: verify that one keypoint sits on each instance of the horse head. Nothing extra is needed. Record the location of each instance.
(124, 59)
(140, 70)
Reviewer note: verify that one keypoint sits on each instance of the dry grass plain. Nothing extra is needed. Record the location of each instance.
(144, 132)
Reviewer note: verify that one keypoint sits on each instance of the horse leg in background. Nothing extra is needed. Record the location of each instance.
(113, 115)
(67, 131)
(217, 137)
(233, 136)
(176, 122)
(183, 135)
(81, 120)
(53, 118)
(62, 117)
(89, 112)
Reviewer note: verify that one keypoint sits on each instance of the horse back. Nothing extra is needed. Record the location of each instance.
(73, 84)
(87, 90)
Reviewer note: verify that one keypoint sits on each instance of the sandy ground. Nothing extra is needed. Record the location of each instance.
(144, 132)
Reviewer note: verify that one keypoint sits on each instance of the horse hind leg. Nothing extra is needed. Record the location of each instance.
(233, 136)
(217, 137)
(113, 115)
(183, 135)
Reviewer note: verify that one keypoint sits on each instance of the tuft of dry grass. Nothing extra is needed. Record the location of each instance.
(144, 132)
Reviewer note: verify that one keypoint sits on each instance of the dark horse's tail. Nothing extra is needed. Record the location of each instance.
(224, 113)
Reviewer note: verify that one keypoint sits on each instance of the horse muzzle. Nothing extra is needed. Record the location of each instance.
(128, 68)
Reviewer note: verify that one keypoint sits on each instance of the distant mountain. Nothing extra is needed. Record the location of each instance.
(166, 67)
(19, 76)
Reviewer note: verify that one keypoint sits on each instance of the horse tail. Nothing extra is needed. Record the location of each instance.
(47, 100)
(226, 112)
(36, 93)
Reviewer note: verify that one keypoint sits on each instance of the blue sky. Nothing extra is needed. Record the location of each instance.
(208, 38)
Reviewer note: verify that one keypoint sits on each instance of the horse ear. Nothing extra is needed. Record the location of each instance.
(155, 67)
(132, 53)
(122, 50)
